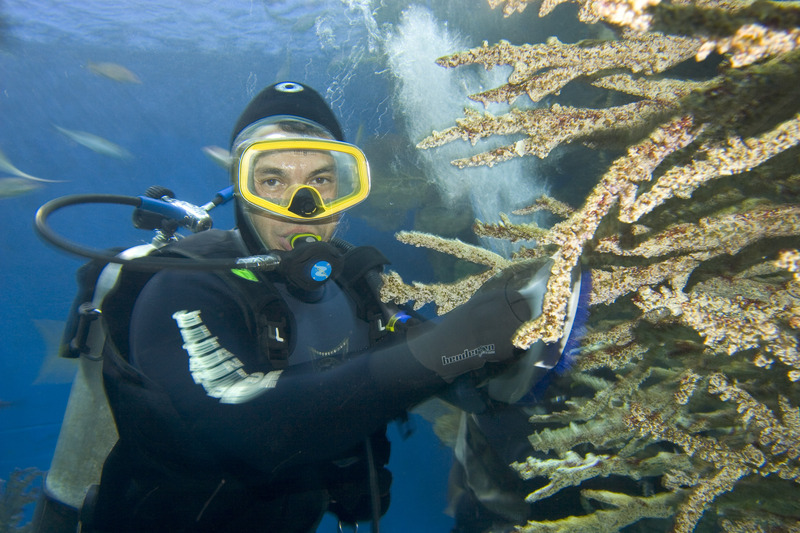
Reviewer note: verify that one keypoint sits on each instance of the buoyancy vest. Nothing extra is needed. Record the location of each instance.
(133, 397)
(359, 267)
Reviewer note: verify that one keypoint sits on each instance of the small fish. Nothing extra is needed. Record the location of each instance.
(7, 166)
(96, 143)
(113, 71)
(219, 155)
(16, 186)
(54, 369)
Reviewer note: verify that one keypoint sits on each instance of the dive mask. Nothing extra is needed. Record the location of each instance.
(300, 177)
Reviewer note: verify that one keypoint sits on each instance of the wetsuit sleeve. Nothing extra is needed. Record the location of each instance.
(191, 337)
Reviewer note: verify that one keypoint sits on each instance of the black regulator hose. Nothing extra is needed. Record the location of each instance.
(147, 263)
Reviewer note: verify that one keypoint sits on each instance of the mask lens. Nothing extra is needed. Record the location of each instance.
(303, 178)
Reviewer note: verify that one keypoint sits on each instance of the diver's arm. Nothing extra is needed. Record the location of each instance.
(297, 415)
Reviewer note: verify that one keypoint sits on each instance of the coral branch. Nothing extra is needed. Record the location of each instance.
(729, 325)
(512, 232)
(545, 129)
(665, 90)
(738, 156)
(607, 286)
(446, 296)
(544, 69)
(781, 439)
(21, 489)
(731, 464)
(690, 511)
(455, 247)
(751, 43)
(546, 203)
(723, 234)
(625, 510)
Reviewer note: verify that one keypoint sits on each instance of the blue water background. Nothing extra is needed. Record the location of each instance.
(199, 63)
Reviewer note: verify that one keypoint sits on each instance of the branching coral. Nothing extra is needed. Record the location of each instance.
(691, 239)
(447, 296)
(544, 69)
(620, 510)
(541, 70)
(21, 489)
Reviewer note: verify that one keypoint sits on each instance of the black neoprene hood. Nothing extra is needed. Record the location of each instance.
(288, 98)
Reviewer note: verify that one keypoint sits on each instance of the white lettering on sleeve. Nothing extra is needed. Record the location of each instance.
(216, 369)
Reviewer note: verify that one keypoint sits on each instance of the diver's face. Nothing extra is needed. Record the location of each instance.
(276, 176)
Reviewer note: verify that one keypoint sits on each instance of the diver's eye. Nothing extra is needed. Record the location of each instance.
(269, 185)
(322, 180)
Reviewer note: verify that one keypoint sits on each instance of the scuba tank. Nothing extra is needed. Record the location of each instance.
(88, 432)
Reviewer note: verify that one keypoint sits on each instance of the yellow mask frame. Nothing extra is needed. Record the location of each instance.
(294, 196)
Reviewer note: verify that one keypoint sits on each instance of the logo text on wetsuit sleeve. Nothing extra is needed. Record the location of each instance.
(480, 351)
(219, 371)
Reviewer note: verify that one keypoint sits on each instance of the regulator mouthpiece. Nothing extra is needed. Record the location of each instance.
(298, 239)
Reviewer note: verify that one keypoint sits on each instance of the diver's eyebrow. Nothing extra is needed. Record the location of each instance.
(327, 169)
(264, 169)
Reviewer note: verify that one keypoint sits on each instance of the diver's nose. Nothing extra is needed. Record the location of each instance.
(305, 203)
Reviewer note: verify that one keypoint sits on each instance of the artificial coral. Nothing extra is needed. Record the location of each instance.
(691, 360)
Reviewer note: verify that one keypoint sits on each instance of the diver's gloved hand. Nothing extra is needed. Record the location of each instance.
(480, 330)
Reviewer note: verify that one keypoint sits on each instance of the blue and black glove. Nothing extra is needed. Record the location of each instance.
(480, 331)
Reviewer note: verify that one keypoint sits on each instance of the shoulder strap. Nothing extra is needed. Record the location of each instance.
(360, 279)
(358, 261)
(273, 323)
(96, 280)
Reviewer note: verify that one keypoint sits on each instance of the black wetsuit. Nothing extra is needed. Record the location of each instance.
(214, 438)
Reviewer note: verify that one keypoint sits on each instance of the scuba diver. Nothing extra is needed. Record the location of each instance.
(257, 400)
